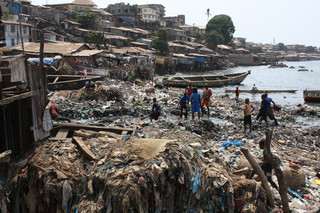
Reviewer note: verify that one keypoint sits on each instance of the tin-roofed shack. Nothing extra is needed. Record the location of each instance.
(51, 49)
(24, 117)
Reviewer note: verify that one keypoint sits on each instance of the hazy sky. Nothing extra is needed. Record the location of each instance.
(265, 21)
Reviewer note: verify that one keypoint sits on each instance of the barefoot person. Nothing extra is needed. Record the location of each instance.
(248, 109)
(206, 100)
(195, 100)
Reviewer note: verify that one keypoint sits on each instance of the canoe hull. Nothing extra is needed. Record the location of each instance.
(264, 91)
(92, 72)
(210, 81)
(311, 95)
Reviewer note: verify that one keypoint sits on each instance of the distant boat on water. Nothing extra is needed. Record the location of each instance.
(208, 80)
(311, 95)
(263, 91)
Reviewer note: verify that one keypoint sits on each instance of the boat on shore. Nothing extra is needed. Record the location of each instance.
(205, 80)
(311, 95)
(69, 82)
(263, 91)
(92, 71)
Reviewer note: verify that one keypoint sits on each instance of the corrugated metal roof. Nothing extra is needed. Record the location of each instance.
(224, 47)
(16, 23)
(63, 48)
(87, 53)
(73, 22)
(84, 2)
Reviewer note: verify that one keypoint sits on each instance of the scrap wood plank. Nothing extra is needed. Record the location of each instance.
(124, 133)
(84, 148)
(111, 134)
(62, 134)
(116, 130)
(9, 100)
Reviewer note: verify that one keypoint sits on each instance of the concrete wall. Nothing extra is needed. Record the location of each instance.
(13, 35)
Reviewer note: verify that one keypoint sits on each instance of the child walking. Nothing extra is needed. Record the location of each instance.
(248, 109)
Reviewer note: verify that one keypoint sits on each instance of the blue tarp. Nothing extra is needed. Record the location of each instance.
(126, 20)
(47, 61)
(198, 58)
(230, 143)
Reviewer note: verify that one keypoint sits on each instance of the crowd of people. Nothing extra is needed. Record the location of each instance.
(198, 103)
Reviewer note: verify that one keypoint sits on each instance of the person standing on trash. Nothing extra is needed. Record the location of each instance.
(262, 115)
(207, 93)
(189, 90)
(269, 108)
(248, 109)
(184, 101)
(237, 92)
(195, 100)
(156, 110)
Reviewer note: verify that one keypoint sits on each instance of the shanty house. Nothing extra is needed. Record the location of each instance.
(24, 114)
(13, 32)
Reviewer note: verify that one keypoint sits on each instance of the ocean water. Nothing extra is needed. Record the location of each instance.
(275, 78)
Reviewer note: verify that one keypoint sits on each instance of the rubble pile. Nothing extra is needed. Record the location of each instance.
(136, 175)
(169, 165)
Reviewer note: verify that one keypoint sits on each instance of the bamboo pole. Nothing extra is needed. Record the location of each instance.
(21, 38)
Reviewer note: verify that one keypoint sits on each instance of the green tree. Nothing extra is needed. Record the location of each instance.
(160, 43)
(310, 49)
(257, 50)
(223, 25)
(87, 20)
(282, 47)
(213, 38)
(98, 39)
(198, 35)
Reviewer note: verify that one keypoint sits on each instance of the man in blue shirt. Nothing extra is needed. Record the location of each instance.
(195, 100)
(184, 100)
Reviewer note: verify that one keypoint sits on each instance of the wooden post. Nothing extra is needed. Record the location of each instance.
(41, 49)
(275, 161)
(21, 37)
(260, 173)
(20, 127)
(6, 146)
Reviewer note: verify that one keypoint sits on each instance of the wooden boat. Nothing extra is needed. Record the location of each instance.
(263, 91)
(68, 82)
(91, 71)
(311, 95)
(209, 80)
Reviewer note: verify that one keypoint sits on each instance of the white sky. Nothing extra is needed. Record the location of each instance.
(260, 21)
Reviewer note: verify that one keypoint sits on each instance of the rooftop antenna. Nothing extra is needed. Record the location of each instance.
(208, 14)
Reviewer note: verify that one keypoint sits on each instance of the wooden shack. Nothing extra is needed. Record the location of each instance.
(24, 117)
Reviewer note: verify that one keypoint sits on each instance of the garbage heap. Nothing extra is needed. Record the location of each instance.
(170, 165)
(121, 175)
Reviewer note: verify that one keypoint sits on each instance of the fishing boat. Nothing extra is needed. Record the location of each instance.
(205, 80)
(69, 82)
(91, 71)
(263, 91)
(311, 95)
